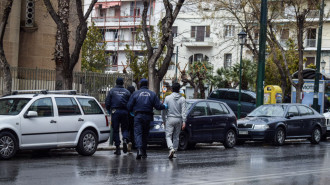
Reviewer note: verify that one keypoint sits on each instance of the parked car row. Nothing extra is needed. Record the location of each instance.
(214, 121)
(46, 120)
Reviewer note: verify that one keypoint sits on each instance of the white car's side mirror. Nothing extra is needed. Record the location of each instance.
(31, 114)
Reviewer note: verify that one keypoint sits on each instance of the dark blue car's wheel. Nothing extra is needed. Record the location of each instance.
(316, 135)
(183, 141)
(279, 136)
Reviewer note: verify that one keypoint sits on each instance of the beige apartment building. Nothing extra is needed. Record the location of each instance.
(30, 35)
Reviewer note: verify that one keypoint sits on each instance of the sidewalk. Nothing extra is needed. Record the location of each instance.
(105, 146)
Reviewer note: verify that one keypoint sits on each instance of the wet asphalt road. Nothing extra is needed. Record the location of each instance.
(296, 162)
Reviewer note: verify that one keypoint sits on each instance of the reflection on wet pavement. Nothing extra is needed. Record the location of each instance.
(252, 163)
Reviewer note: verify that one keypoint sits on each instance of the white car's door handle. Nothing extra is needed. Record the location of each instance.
(80, 119)
(52, 121)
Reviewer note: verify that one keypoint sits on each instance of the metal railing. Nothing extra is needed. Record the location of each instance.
(91, 83)
(137, 19)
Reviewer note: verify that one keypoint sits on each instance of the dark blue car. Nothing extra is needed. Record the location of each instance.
(277, 122)
(207, 121)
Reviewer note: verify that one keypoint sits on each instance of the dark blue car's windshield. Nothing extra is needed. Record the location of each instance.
(268, 111)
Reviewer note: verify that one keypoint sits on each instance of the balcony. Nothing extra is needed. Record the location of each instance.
(118, 21)
(121, 45)
(191, 42)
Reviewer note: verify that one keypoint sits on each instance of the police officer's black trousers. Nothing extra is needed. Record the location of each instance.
(119, 118)
(141, 130)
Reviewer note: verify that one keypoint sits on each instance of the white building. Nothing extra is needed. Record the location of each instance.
(196, 38)
(118, 21)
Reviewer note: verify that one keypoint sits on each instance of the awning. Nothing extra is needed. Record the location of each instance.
(105, 5)
(310, 74)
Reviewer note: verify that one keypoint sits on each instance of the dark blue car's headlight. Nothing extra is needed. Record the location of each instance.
(261, 127)
(159, 126)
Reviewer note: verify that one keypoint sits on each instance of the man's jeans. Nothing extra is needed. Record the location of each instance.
(173, 129)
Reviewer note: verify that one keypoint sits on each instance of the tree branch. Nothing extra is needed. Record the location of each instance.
(52, 12)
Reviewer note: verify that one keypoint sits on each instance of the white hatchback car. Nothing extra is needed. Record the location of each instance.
(47, 120)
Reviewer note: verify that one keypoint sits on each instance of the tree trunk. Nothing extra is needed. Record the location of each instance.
(202, 89)
(65, 62)
(3, 61)
(6, 72)
(300, 25)
(196, 92)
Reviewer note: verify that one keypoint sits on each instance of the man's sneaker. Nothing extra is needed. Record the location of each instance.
(172, 152)
(174, 155)
(129, 147)
(125, 146)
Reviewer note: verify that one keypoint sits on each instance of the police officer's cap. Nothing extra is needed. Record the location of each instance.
(143, 82)
(120, 81)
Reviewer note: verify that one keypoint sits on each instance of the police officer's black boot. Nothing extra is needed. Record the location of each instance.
(125, 146)
(117, 152)
(139, 154)
(144, 154)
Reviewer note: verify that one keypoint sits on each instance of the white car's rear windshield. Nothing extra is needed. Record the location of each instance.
(12, 106)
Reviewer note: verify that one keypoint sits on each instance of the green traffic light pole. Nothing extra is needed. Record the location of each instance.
(240, 86)
(318, 58)
(262, 49)
(241, 39)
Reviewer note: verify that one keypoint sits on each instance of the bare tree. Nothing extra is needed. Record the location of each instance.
(66, 61)
(3, 61)
(166, 40)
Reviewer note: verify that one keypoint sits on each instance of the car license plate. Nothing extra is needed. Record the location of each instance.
(243, 132)
(328, 128)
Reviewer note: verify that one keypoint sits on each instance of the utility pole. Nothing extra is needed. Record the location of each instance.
(318, 58)
(262, 49)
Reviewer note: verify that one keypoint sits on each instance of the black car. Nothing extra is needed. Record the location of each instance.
(230, 97)
(207, 121)
(277, 122)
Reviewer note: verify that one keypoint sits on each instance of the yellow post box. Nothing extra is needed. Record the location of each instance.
(272, 94)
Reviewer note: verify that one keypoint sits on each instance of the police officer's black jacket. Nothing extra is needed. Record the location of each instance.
(117, 98)
(144, 100)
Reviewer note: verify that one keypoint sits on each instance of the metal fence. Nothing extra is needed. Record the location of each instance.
(94, 84)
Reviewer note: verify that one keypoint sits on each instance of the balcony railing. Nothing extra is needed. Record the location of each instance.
(119, 19)
(208, 42)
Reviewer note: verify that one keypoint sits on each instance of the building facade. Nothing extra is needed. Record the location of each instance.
(29, 39)
(118, 22)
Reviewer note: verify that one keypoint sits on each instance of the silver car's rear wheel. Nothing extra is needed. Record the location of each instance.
(8, 145)
(87, 143)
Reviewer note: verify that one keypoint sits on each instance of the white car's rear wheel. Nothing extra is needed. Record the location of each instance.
(87, 144)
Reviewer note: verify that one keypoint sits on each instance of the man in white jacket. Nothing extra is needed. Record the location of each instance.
(174, 118)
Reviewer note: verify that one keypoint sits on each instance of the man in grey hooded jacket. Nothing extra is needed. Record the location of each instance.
(174, 118)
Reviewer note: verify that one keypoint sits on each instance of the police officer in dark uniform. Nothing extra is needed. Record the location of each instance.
(141, 103)
(116, 104)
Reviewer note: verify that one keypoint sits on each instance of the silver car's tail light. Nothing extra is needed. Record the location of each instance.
(107, 121)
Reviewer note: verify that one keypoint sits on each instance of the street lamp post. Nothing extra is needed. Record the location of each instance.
(323, 63)
(241, 40)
